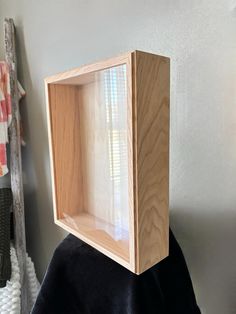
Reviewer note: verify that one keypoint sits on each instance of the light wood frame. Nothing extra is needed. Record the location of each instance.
(148, 94)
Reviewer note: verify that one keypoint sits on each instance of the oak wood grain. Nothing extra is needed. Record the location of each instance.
(66, 150)
(151, 86)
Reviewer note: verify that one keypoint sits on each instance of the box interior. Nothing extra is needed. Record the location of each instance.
(89, 128)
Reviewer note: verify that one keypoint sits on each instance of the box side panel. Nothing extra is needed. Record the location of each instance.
(66, 154)
(152, 155)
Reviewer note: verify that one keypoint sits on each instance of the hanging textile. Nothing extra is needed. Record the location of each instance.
(5, 113)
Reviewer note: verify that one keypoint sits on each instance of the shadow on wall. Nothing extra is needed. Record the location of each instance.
(41, 233)
(207, 239)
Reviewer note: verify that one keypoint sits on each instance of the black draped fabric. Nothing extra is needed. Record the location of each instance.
(81, 280)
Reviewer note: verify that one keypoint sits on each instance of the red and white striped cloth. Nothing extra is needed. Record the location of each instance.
(5, 113)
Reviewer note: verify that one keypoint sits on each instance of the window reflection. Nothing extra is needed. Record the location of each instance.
(115, 89)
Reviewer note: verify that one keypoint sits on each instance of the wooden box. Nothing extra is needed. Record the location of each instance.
(108, 126)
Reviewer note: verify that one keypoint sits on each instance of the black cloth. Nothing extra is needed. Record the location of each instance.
(81, 280)
(5, 219)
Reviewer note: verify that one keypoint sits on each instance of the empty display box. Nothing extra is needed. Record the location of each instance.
(108, 126)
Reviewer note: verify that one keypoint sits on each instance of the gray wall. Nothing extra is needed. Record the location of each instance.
(200, 38)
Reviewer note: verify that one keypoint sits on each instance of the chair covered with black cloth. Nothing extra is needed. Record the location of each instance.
(81, 280)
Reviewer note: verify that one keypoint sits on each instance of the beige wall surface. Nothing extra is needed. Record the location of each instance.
(200, 38)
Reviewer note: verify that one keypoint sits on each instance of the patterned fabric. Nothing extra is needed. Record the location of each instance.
(5, 113)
